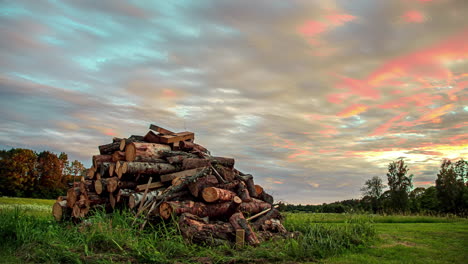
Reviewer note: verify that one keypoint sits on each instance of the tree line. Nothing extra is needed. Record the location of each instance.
(449, 195)
(26, 173)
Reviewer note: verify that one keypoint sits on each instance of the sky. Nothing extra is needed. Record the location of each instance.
(311, 97)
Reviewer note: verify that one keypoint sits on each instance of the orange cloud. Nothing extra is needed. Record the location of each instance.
(278, 182)
(385, 127)
(436, 114)
(299, 153)
(353, 110)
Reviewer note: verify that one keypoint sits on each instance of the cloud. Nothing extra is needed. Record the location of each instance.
(311, 97)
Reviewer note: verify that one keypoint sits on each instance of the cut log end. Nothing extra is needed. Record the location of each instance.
(58, 210)
(165, 210)
(130, 152)
(98, 186)
(210, 194)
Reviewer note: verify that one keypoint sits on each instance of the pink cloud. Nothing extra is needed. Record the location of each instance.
(382, 129)
(414, 16)
(312, 28)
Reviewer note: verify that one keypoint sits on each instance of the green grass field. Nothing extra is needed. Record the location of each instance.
(28, 234)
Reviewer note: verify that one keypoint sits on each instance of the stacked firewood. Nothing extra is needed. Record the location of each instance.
(165, 174)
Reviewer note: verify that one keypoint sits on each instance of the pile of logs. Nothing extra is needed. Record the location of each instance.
(165, 174)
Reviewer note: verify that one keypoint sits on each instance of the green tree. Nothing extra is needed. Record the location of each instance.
(400, 185)
(451, 187)
(415, 199)
(429, 201)
(373, 189)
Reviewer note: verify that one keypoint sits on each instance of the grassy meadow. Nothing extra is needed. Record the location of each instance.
(28, 234)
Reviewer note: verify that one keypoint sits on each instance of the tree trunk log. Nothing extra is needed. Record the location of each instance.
(196, 187)
(128, 185)
(176, 159)
(118, 156)
(190, 146)
(90, 173)
(243, 193)
(60, 211)
(100, 186)
(108, 149)
(238, 221)
(152, 186)
(98, 159)
(198, 230)
(255, 206)
(72, 196)
(248, 179)
(104, 169)
(123, 193)
(112, 169)
(226, 162)
(112, 184)
(188, 164)
(185, 173)
(166, 209)
(126, 141)
(167, 153)
(144, 151)
(136, 198)
(148, 168)
(213, 194)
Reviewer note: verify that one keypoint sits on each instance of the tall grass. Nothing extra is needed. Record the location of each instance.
(113, 238)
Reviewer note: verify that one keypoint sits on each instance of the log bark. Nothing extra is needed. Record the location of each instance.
(98, 159)
(151, 137)
(255, 206)
(104, 168)
(128, 185)
(213, 194)
(72, 196)
(151, 186)
(161, 130)
(60, 210)
(199, 230)
(144, 151)
(86, 186)
(226, 209)
(148, 168)
(123, 193)
(167, 153)
(118, 156)
(190, 146)
(238, 221)
(185, 173)
(176, 159)
(188, 164)
(227, 174)
(243, 193)
(136, 198)
(274, 213)
(248, 179)
(266, 197)
(226, 162)
(196, 187)
(126, 141)
(176, 137)
(108, 149)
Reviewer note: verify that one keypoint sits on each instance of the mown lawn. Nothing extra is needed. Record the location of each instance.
(28, 234)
